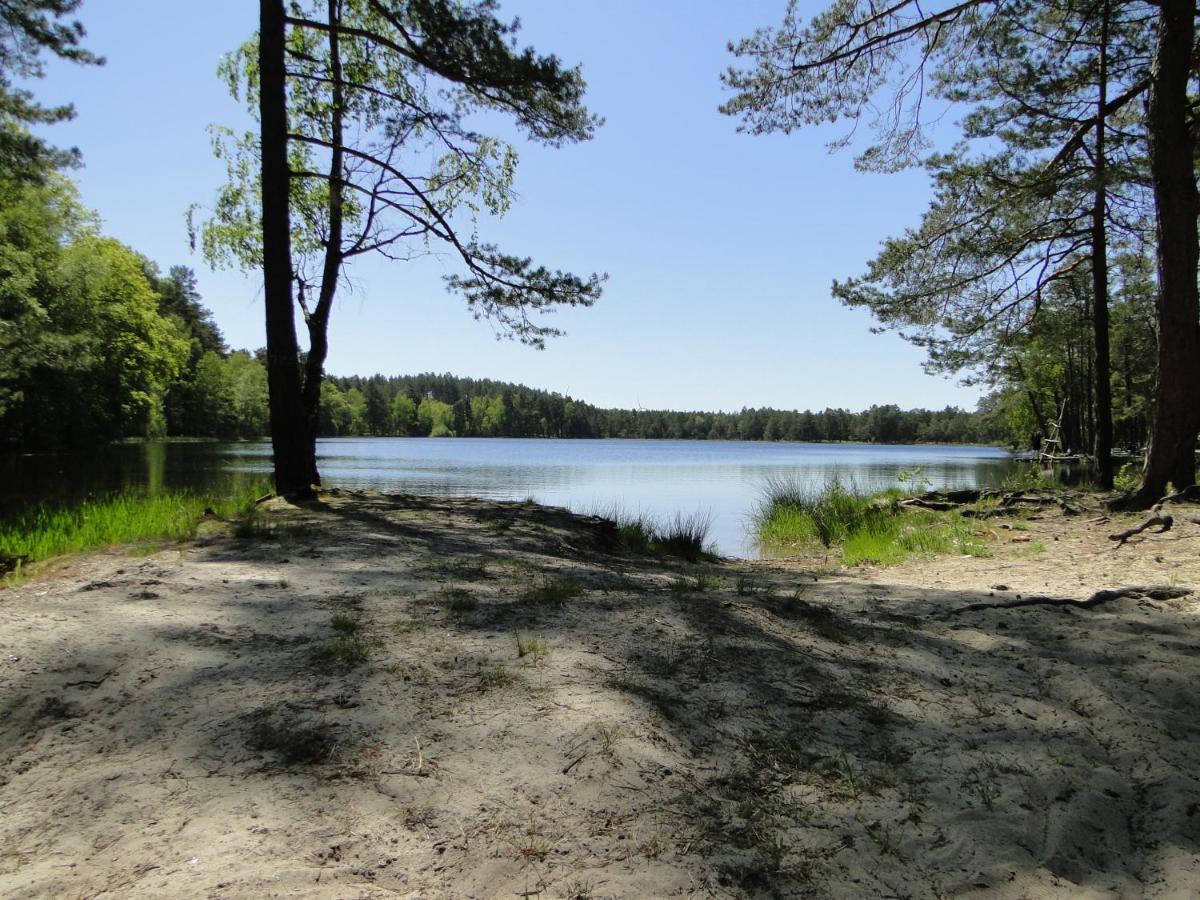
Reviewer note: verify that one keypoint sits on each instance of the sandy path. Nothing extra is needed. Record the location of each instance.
(189, 724)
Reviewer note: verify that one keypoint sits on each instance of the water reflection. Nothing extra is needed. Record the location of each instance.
(721, 478)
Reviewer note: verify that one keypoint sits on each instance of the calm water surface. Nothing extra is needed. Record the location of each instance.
(722, 479)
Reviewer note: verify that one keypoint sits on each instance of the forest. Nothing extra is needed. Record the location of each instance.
(100, 345)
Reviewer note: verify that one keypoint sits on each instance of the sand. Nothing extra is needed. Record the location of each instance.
(338, 706)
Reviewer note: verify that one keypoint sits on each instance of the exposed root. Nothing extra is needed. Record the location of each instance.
(1154, 592)
(1157, 517)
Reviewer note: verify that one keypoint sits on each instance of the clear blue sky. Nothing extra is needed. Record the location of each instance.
(720, 246)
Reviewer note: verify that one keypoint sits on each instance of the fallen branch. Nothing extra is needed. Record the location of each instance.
(1154, 592)
(1157, 517)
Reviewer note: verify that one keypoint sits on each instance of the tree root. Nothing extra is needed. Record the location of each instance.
(1154, 592)
(1157, 517)
(1190, 494)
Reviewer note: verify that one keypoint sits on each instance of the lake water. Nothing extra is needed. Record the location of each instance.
(721, 479)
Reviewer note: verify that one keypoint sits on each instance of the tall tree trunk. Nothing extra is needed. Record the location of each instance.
(317, 319)
(1176, 404)
(1103, 377)
(295, 454)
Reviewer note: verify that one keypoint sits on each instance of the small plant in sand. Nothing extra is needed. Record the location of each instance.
(554, 592)
(415, 623)
(419, 815)
(462, 569)
(342, 652)
(348, 648)
(495, 676)
(580, 889)
(698, 584)
(533, 646)
(749, 586)
(457, 600)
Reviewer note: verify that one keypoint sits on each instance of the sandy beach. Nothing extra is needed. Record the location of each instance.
(378, 696)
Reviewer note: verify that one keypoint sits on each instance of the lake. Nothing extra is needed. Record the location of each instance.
(721, 479)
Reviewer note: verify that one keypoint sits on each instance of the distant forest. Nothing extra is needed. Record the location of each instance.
(448, 406)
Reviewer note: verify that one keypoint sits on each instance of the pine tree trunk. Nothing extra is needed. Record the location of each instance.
(1177, 407)
(293, 444)
(1102, 378)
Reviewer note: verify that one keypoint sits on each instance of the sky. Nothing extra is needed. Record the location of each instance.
(720, 247)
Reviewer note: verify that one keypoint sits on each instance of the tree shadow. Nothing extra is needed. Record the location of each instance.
(828, 735)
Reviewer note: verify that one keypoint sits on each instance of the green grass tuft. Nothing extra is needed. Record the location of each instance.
(866, 528)
(555, 592)
(683, 536)
(128, 517)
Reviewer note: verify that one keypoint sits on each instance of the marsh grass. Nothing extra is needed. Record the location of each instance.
(865, 528)
(128, 517)
(682, 536)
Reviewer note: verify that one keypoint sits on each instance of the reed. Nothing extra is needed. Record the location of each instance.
(864, 528)
(683, 536)
(54, 529)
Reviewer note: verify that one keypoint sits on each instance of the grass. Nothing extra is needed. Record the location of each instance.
(683, 536)
(348, 648)
(458, 600)
(681, 584)
(128, 517)
(555, 592)
(864, 528)
(495, 676)
(533, 645)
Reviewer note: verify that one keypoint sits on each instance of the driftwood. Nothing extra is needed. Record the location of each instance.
(1153, 592)
(1157, 517)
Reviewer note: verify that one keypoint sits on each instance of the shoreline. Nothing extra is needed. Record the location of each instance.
(440, 697)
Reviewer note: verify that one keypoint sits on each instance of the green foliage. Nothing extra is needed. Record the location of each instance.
(382, 158)
(866, 529)
(129, 517)
(28, 29)
(1129, 479)
(996, 280)
(84, 353)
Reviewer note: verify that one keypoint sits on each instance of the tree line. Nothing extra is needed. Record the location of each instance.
(430, 405)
